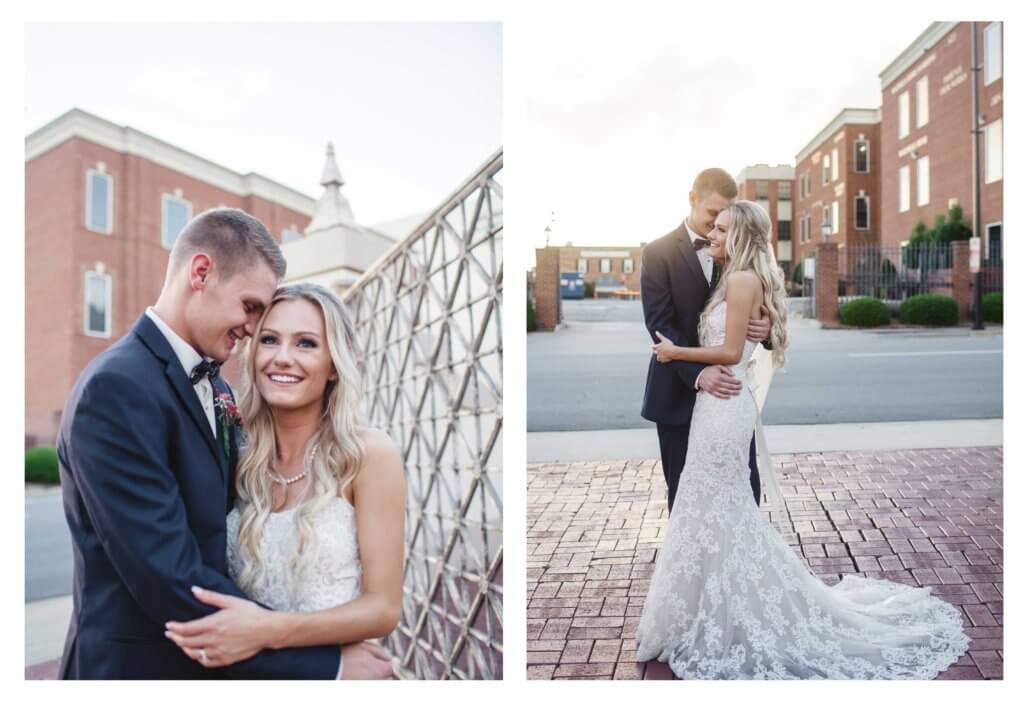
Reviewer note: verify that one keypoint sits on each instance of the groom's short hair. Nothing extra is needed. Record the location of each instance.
(232, 238)
(715, 180)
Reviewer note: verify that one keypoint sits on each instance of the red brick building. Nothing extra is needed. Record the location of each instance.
(927, 147)
(772, 188)
(837, 183)
(104, 204)
(609, 268)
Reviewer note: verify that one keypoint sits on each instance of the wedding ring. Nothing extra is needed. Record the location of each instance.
(202, 657)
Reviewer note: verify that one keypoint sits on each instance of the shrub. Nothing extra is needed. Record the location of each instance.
(531, 316)
(41, 465)
(992, 307)
(589, 290)
(929, 310)
(865, 312)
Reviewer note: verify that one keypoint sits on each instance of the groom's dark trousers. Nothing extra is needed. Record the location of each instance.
(147, 488)
(674, 291)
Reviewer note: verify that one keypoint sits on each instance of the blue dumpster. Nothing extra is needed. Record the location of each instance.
(572, 285)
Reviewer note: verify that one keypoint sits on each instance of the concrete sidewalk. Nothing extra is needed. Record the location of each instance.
(642, 443)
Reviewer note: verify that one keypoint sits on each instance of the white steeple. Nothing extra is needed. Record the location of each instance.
(332, 209)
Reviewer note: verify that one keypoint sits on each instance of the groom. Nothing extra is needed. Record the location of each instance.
(677, 276)
(147, 457)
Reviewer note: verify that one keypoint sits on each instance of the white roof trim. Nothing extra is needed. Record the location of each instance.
(910, 55)
(850, 115)
(762, 171)
(124, 139)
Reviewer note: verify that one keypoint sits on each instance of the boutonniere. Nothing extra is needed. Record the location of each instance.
(229, 416)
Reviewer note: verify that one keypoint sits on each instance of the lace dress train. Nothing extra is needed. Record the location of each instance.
(729, 599)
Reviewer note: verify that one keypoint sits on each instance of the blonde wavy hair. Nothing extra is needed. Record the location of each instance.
(748, 247)
(338, 453)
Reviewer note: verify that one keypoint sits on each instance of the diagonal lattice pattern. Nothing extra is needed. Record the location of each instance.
(428, 319)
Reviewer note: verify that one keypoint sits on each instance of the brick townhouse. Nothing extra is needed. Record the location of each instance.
(927, 148)
(772, 188)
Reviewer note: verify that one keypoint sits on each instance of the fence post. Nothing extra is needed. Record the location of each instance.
(962, 278)
(826, 284)
(547, 288)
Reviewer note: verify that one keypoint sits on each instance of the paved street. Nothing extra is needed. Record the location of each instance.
(923, 517)
(47, 547)
(590, 375)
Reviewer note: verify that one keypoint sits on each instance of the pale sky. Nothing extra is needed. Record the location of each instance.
(412, 108)
(622, 115)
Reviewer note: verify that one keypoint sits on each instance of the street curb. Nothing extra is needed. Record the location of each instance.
(642, 443)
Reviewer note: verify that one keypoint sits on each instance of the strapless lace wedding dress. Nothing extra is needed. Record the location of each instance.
(729, 599)
(333, 577)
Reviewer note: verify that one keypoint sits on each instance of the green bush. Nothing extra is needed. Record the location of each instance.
(930, 310)
(531, 316)
(992, 307)
(589, 290)
(864, 312)
(41, 465)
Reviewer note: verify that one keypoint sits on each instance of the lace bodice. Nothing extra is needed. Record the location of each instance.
(714, 335)
(334, 574)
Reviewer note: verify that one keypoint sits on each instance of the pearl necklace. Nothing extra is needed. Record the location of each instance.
(276, 476)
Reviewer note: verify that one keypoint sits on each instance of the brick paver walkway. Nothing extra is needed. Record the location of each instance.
(925, 517)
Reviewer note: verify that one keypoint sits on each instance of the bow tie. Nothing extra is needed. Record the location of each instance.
(699, 243)
(206, 367)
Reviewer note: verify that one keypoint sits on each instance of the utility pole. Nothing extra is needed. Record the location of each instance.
(976, 132)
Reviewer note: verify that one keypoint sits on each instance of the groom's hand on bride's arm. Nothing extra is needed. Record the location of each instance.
(760, 330)
(719, 381)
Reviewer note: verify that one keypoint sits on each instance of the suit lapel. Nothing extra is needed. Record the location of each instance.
(155, 341)
(690, 256)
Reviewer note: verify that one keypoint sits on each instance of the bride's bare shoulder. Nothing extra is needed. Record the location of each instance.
(743, 280)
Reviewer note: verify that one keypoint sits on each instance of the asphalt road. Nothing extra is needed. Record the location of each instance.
(590, 375)
(47, 548)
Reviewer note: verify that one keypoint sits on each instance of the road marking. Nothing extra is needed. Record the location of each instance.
(909, 353)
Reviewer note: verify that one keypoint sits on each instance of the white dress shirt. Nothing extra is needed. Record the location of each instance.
(189, 358)
(707, 263)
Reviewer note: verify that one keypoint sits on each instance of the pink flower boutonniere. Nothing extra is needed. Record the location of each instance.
(228, 415)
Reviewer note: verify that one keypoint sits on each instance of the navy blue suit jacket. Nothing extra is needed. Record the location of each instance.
(673, 291)
(146, 491)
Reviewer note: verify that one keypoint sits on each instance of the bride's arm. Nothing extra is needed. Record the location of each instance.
(379, 500)
(740, 294)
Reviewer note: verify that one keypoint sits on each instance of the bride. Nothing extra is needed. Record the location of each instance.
(317, 533)
(729, 599)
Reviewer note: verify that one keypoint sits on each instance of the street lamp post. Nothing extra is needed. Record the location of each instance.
(976, 132)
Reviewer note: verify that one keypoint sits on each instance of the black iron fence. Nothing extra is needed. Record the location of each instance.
(895, 272)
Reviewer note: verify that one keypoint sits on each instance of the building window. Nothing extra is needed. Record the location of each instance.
(785, 190)
(993, 52)
(627, 266)
(861, 155)
(761, 189)
(862, 209)
(176, 214)
(581, 266)
(826, 222)
(904, 114)
(922, 101)
(995, 240)
(835, 164)
(923, 192)
(99, 201)
(97, 304)
(805, 185)
(904, 188)
(994, 151)
(784, 231)
(606, 265)
(826, 168)
(835, 217)
(291, 234)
